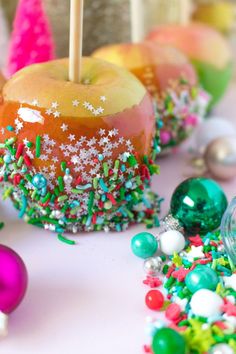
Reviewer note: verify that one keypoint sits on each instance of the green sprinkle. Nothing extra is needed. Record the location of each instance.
(29, 144)
(46, 198)
(132, 161)
(61, 184)
(62, 198)
(20, 161)
(24, 190)
(63, 166)
(11, 141)
(105, 169)
(38, 146)
(65, 240)
(90, 201)
(76, 191)
(95, 183)
(28, 177)
(56, 191)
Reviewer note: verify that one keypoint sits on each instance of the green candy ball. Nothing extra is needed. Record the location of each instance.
(168, 341)
(144, 245)
(202, 277)
(198, 204)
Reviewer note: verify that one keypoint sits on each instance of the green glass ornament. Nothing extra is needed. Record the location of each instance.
(168, 341)
(144, 245)
(198, 204)
(202, 277)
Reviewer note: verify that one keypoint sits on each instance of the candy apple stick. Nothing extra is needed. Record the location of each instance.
(76, 40)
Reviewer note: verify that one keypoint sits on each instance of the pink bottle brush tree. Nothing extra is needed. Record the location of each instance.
(31, 40)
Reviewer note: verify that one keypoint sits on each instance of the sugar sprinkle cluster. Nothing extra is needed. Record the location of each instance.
(178, 110)
(201, 334)
(97, 187)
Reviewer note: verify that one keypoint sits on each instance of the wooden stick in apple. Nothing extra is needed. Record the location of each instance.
(137, 22)
(76, 40)
(185, 11)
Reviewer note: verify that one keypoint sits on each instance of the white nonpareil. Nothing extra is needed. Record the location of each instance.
(30, 115)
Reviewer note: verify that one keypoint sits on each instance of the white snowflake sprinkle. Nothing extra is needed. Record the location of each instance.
(55, 105)
(75, 103)
(62, 147)
(64, 127)
(55, 159)
(52, 167)
(43, 157)
(102, 132)
(71, 137)
(49, 151)
(91, 142)
(51, 142)
(86, 104)
(103, 98)
(56, 114)
(74, 159)
(49, 111)
(90, 107)
(100, 109)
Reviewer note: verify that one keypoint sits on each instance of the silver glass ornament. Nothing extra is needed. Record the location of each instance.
(153, 265)
(220, 157)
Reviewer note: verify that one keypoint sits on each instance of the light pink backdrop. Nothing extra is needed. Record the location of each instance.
(87, 298)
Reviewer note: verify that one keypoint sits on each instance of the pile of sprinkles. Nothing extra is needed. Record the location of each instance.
(178, 110)
(94, 188)
(205, 317)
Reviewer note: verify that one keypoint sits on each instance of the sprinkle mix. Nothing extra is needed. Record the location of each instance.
(94, 187)
(178, 110)
(201, 333)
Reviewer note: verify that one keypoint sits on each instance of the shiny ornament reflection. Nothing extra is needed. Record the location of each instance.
(13, 280)
(198, 204)
(220, 158)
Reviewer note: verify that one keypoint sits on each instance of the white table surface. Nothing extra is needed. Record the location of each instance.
(87, 298)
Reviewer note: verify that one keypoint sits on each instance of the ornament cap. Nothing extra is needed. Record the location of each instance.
(170, 223)
(3, 324)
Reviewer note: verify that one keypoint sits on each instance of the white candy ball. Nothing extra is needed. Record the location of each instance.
(210, 130)
(206, 303)
(221, 348)
(171, 241)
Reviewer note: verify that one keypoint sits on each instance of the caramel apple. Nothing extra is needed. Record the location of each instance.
(78, 157)
(170, 79)
(208, 51)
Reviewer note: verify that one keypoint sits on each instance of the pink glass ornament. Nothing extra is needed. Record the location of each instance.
(13, 283)
(31, 39)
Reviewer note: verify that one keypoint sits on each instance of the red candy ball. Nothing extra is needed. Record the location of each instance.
(173, 312)
(154, 300)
